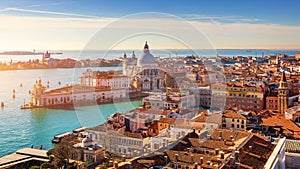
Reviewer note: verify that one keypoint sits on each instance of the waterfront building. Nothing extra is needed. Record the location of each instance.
(24, 158)
(75, 94)
(113, 79)
(145, 74)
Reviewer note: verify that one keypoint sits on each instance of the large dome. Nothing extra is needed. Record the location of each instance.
(147, 59)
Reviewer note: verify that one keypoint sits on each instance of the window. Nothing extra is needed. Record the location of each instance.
(238, 120)
(242, 121)
(242, 126)
(224, 125)
(232, 120)
(232, 125)
(238, 126)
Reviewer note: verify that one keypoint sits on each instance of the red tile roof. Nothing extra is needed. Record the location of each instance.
(275, 121)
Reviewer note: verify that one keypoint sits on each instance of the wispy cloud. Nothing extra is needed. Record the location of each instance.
(47, 12)
(234, 19)
(47, 4)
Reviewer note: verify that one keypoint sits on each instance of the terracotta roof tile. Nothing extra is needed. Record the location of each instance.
(280, 121)
(232, 114)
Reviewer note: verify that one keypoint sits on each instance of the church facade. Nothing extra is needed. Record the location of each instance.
(144, 71)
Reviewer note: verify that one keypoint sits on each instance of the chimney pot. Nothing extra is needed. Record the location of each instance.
(237, 159)
(222, 155)
(201, 161)
(231, 162)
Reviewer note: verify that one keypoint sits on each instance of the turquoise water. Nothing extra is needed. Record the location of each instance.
(23, 128)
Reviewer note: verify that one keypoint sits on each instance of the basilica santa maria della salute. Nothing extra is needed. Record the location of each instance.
(144, 71)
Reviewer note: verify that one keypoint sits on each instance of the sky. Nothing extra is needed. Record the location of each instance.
(100, 24)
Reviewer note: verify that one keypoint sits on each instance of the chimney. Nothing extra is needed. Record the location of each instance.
(166, 159)
(222, 155)
(217, 151)
(176, 157)
(192, 158)
(232, 141)
(196, 165)
(250, 148)
(237, 157)
(208, 137)
(231, 162)
(201, 161)
(221, 135)
(208, 162)
(237, 165)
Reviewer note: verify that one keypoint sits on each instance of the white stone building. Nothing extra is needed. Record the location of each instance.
(120, 143)
(74, 94)
(233, 120)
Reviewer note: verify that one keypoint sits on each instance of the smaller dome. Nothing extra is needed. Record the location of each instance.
(86, 140)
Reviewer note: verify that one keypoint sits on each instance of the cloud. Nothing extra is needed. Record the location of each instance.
(47, 12)
(72, 31)
(220, 18)
(47, 4)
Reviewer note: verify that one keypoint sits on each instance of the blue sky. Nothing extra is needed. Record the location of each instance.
(275, 18)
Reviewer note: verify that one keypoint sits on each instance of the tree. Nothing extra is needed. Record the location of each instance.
(46, 165)
(62, 153)
(34, 167)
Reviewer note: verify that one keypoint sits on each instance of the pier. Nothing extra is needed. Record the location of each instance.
(59, 137)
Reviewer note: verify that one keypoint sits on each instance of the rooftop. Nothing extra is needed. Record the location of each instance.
(233, 114)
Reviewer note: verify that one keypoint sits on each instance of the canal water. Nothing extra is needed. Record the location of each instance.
(23, 128)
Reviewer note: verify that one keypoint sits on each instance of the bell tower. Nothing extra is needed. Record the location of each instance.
(283, 95)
